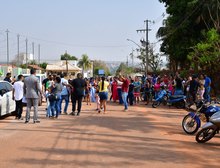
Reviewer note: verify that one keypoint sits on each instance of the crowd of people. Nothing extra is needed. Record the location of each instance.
(121, 89)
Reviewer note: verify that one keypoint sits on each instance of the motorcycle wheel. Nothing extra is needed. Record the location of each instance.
(155, 104)
(205, 135)
(190, 125)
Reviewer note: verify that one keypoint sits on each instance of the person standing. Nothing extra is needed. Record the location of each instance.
(103, 93)
(8, 77)
(56, 90)
(32, 93)
(207, 88)
(119, 91)
(124, 88)
(78, 85)
(131, 92)
(88, 92)
(193, 88)
(178, 85)
(18, 92)
(114, 89)
(45, 83)
(64, 94)
(137, 88)
(201, 88)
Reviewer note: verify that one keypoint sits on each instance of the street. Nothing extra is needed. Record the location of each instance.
(142, 137)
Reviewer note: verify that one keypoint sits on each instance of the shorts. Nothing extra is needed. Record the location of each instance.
(103, 95)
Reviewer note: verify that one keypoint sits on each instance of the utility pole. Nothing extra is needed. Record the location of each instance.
(66, 63)
(132, 57)
(127, 61)
(18, 38)
(7, 31)
(33, 50)
(26, 41)
(146, 30)
(38, 53)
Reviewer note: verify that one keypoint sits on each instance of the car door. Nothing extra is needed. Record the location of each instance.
(6, 102)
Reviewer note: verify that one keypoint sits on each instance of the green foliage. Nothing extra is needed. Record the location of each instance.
(185, 27)
(23, 66)
(101, 65)
(43, 65)
(33, 62)
(124, 69)
(206, 54)
(68, 57)
(84, 62)
(154, 60)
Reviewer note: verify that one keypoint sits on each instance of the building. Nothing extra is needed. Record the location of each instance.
(63, 67)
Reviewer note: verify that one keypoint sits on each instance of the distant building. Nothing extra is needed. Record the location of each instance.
(63, 67)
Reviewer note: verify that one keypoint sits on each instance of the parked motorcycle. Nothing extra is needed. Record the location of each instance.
(192, 121)
(161, 98)
(209, 130)
(166, 98)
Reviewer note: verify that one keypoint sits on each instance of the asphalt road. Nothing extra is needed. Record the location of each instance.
(142, 137)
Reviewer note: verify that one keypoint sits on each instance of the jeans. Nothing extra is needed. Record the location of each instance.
(19, 108)
(55, 107)
(207, 94)
(119, 90)
(130, 98)
(124, 97)
(49, 113)
(74, 99)
(66, 98)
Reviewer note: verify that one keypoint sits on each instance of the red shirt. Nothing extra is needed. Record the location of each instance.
(125, 85)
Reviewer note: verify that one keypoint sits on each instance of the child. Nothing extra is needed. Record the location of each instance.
(131, 93)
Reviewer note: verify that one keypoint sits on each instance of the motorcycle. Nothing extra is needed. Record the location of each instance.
(161, 98)
(192, 121)
(209, 130)
(166, 98)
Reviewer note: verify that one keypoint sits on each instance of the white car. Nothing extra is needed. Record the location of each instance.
(7, 104)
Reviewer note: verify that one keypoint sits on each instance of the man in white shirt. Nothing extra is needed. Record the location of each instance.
(65, 93)
(18, 92)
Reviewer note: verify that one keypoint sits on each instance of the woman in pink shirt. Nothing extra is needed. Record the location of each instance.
(157, 87)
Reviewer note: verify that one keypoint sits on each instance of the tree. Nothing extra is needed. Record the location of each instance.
(43, 65)
(142, 58)
(154, 60)
(33, 62)
(206, 54)
(84, 63)
(68, 57)
(100, 65)
(124, 69)
(183, 28)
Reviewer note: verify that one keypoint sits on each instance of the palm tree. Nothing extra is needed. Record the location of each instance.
(84, 63)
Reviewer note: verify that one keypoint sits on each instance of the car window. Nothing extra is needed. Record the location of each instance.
(5, 86)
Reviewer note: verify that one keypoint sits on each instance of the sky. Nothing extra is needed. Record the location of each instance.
(98, 28)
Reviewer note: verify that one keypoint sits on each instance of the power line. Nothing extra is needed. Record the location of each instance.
(75, 45)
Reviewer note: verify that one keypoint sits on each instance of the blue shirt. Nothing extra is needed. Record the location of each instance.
(207, 82)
